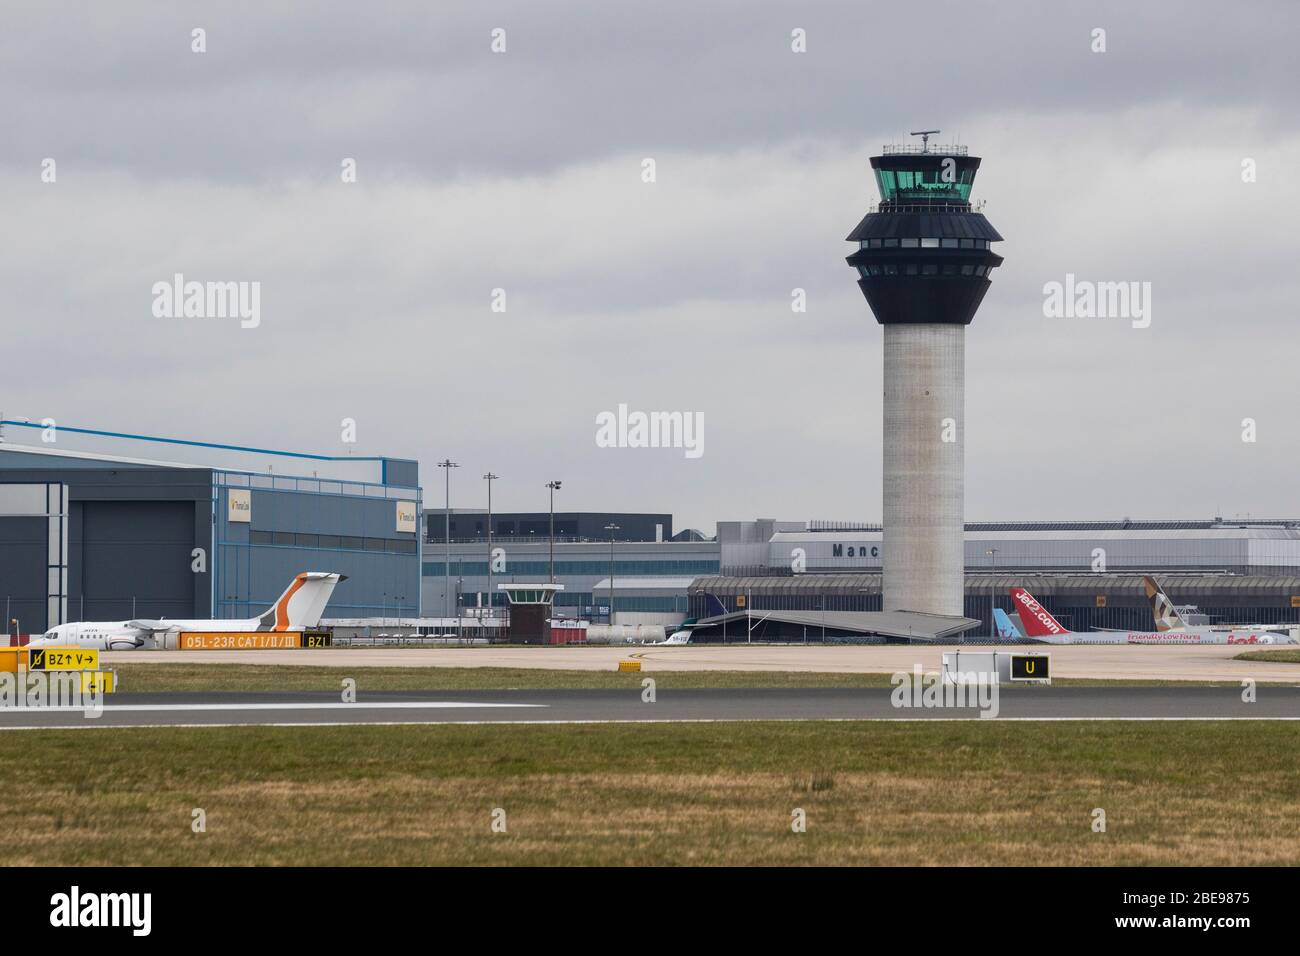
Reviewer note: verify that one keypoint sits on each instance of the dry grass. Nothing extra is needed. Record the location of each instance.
(1289, 655)
(977, 794)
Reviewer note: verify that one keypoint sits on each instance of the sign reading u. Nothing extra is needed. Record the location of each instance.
(1031, 667)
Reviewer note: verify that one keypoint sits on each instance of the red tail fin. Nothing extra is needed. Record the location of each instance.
(1038, 623)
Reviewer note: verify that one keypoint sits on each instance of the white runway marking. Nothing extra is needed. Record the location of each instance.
(324, 705)
(93, 725)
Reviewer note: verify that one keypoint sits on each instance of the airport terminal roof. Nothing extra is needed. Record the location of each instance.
(911, 625)
(67, 446)
(675, 584)
(1121, 524)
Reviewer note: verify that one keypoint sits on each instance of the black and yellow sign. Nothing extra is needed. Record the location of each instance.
(63, 659)
(740, 600)
(1295, 600)
(1031, 667)
(317, 639)
(98, 682)
(1101, 600)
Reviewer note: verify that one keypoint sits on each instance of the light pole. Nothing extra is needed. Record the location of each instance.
(993, 591)
(611, 528)
(448, 465)
(489, 478)
(554, 486)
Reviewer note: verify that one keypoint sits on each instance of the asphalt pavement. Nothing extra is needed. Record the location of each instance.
(1273, 702)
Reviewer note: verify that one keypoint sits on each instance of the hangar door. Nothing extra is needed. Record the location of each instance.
(131, 553)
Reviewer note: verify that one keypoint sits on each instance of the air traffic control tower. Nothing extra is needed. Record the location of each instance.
(924, 262)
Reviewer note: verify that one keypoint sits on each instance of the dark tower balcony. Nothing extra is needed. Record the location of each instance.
(924, 254)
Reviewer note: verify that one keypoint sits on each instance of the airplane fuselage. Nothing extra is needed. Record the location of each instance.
(122, 636)
(1191, 636)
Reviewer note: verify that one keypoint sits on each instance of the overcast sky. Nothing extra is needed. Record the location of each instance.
(522, 171)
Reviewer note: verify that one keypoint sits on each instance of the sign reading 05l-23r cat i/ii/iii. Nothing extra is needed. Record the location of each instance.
(238, 640)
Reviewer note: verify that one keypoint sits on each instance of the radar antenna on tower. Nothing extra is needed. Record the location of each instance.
(925, 135)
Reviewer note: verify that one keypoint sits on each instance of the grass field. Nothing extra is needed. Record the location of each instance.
(1279, 655)
(156, 678)
(914, 793)
(150, 678)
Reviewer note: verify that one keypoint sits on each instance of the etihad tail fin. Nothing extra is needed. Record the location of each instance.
(1162, 609)
(302, 603)
(1039, 624)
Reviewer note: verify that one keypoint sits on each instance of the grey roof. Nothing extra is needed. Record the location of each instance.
(677, 584)
(1042, 584)
(1122, 524)
(912, 625)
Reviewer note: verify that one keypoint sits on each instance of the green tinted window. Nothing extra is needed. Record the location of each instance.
(924, 185)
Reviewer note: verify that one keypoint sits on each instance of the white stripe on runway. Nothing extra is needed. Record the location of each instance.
(303, 705)
(92, 725)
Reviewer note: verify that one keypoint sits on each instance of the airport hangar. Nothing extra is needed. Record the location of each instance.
(1233, 570)
(98, 525)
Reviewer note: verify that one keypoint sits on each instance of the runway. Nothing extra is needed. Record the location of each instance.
(610, 706)
(1102, 662)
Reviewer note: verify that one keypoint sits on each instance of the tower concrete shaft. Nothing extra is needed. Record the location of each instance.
(923, 262)
(924, 427)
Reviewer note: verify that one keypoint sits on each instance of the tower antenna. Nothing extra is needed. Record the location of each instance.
(925, 135)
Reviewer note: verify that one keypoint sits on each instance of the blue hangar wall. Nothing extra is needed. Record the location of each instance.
(308, 524)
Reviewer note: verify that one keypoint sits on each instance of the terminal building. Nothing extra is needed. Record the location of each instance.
(1087, 573)
(651, 568)
(99, 525)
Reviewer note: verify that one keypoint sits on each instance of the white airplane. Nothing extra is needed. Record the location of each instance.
(1042, 627)
(298, 608)
(1169, 621)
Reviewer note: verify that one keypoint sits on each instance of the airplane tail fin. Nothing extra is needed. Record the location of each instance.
(1162, 609)
(302, 603)
(1005, 628)
(1039, 624)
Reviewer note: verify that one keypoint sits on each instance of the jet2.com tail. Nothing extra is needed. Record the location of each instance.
(1038, 622)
